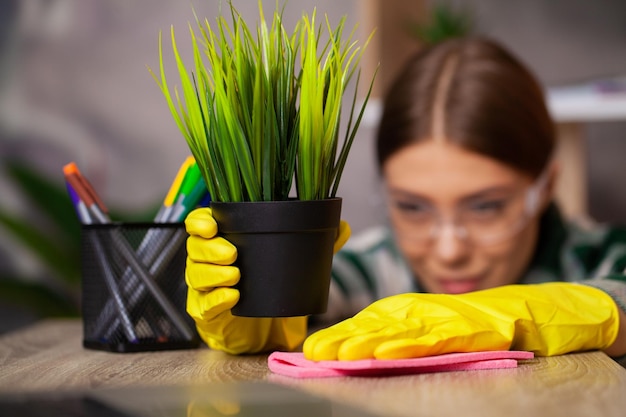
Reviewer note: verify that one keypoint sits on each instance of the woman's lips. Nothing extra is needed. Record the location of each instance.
(459, 286)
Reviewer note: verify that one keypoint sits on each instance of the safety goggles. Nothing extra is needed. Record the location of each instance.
(484, 220)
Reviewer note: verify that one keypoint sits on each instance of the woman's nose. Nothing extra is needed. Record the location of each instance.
(451, 243)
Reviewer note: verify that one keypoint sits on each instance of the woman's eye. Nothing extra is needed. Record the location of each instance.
(411, 208)
(487, 208)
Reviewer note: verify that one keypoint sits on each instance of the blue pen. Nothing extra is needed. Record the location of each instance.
(81, 209)
(107, 273)
(72, 193)
(75, 200)
(205, 201)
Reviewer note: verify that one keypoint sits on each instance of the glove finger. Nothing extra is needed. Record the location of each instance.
(204, 277)
(429, 345)
(441, 342)
(206, 305)
(200, 222)
(216, 250)
(363, 346)
(343, 234)
(325, 344)
(345, 346)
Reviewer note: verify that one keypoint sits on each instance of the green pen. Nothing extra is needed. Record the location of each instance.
(188, 202)
(166, 209)
(197, 194)
(192, 177)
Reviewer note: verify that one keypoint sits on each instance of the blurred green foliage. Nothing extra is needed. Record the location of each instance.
(444, 22)
(53, 239)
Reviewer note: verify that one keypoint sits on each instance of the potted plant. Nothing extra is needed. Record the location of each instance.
(260, 109)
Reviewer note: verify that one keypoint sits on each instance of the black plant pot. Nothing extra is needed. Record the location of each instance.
(285, 251)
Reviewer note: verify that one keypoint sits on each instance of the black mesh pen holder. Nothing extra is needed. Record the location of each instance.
(133, 287)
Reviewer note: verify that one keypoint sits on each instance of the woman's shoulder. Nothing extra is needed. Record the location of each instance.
(580, 231)
(371, 257)
(598, 248)
(574, 249)
(585, 231)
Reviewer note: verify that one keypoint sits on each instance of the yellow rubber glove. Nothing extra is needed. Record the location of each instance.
(548, 319)
(210, 297)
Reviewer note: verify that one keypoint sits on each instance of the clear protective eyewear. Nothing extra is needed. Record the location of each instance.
(484, 220)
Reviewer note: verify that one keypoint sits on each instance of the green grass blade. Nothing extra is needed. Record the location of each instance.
(350, 134)
(267, 108)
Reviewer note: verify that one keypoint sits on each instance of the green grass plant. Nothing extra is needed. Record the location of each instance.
(260, 108)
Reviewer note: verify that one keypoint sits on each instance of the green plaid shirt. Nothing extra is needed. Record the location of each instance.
(370, 266)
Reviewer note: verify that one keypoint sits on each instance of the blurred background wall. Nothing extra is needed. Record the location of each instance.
(74, 87)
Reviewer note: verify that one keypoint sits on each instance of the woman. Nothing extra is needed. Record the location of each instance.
(464, 151)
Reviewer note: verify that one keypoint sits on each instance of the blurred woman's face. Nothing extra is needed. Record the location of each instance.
(461, 219)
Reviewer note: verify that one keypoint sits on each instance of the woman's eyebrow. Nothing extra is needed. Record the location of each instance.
(498, 191)
(396, 193)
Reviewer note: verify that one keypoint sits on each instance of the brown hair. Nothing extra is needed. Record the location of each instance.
(475, 94)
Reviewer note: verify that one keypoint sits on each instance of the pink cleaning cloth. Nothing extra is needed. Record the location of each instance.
(294, 364)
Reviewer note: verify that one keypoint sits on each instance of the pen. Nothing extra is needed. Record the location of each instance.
(192, 177)
(85, 192)
(139, 279)
(176, 205)
(109, 278)
(114, 290)
(205, 200)
(71, 170)
(178, 180)
(170, 197)
(91, 209)
(189, 201)
(184, 176)
(79, 205)
(136, 291)
(155, 250)
(73, 196)
(127, 253)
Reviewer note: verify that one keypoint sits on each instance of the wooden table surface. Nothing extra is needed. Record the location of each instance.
(49, 356)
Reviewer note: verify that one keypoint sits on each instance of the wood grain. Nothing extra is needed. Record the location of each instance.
(571, 385)
(49, 356)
